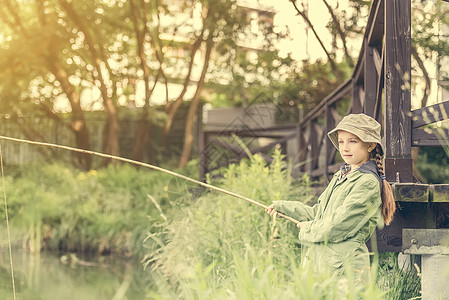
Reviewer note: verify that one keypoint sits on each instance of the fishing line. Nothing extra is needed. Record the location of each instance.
(7, 224)
(206, 185)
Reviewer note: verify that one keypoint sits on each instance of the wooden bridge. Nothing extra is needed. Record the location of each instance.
(379, 87)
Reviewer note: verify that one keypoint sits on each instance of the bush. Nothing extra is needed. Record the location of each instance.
(58, 208)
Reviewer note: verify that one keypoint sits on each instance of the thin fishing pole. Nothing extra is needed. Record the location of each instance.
(7, 223)
(206, 185)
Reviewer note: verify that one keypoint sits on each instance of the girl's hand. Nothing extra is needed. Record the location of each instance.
(270, 210)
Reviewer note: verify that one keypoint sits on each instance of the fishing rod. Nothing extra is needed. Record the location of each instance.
(135, 162)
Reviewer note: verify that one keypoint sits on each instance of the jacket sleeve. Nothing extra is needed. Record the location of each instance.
(297, 210)
(360, 205)
(300, 211)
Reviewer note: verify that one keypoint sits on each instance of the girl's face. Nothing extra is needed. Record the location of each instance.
(353, 151)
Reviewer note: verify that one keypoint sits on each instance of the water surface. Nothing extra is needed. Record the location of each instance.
(66, 276)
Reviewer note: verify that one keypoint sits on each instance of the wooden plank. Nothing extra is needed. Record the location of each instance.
(302, 147)
(397, 107)
(245, 129)
(411, 192)
(415, 211)
(440, 193)
(362, 97)
(430, 137)
(374, 31)
(399, 170)
(330, 124)
(334, 168)
(370, 84)
(357, 76)
(430, 114)
(330, 148)
(357, 96)
(380, 84)
(315, 133)
(377, 60)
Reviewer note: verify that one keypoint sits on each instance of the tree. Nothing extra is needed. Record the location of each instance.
(64, 50)
(41, 67)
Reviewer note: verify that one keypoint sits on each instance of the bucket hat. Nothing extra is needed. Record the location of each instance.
(364, 127)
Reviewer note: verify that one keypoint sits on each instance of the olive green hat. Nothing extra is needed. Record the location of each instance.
(364, 127)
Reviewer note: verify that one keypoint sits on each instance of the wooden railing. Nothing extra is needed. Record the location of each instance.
(216, 150)
(380, 87)
(384, 59)
(379, 83)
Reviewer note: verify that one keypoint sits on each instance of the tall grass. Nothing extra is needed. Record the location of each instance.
(207, 247)
(400, 282)
(223, 248)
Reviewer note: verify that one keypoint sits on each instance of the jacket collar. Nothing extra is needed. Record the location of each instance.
(369, 167)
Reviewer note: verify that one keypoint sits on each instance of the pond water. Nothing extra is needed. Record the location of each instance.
(51, 276)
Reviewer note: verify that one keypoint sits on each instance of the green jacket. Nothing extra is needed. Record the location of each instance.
(337, 227)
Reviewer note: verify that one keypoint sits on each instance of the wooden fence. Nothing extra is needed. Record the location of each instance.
(47, 130)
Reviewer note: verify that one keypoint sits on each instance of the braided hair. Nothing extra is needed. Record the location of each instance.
(388, 203)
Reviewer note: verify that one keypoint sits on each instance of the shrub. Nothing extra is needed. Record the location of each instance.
(55, 207)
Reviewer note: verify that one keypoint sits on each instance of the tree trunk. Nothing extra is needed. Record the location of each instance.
(173, 108)
(111, 130)
(78, 122)
(143, 130)
(193, 109)
(142, 138)
(111, 133)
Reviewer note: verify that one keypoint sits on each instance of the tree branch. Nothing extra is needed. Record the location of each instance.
(426, 76)
(306, 18)
(340, 33)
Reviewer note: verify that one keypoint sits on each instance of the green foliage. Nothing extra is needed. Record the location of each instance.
(213, 247)
(222, 248)
(432, 164)
(399, 282)
(58, 208)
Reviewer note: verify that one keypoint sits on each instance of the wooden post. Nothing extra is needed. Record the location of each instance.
(313, 144)
(398, 162)
(356, 99)
(330, 124)
(302, 147)
(370, 82)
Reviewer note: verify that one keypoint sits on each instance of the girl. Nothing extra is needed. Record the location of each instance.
(356, 201)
